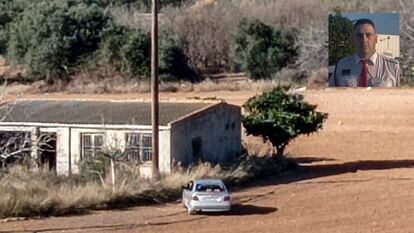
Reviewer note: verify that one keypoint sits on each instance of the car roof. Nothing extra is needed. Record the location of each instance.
(208, 181)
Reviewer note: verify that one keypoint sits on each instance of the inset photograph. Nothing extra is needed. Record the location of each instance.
(364, 50)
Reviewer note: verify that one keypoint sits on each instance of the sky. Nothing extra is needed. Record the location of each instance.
(385, 23)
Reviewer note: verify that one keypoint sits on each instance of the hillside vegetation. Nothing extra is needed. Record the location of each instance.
(61, 41)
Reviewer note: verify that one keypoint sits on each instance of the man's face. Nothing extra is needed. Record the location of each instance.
(365, 39)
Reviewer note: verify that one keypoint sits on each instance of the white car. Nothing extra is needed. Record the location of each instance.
(207, 195)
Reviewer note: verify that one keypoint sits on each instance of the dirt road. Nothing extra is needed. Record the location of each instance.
(357, 176)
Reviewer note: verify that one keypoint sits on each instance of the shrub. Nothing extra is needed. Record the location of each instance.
(262, 50)
(135, 53)
(128, 50)
(173, 61)
(279, 117)
(4, 38)
(208, 33)
(51, 36)
(9, 11)
(94, 169)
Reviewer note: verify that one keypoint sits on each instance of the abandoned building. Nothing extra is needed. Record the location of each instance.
(75, 130)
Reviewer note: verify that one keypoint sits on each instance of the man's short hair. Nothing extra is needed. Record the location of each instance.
(363, 21)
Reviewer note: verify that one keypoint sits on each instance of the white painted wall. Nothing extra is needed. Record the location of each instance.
(68, 145)
(219, 144)
(62, 152)
(165, 151)
(115, 140)
(219, 127)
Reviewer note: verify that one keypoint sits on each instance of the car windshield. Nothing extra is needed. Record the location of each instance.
(209, 188)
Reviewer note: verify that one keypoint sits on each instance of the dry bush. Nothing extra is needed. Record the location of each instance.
(132, 18)
(313, 51)
(208, 32)
(114, 84)
(407, 29)
(285, 13)
(89, 83)
(318, 78)
(41, 193)
(25, 194)
(209, 85)
(97, 81)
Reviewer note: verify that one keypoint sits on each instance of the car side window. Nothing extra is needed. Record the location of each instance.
(190, 185)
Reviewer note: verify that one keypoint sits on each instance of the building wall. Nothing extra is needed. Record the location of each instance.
(68, 145)
(388, 45)
(219, 129)
(165, 151)
(62, 159)
(115, 140)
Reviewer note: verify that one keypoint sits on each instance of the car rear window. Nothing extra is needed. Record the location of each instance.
(209, 188)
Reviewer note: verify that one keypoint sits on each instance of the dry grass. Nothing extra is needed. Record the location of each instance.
(27, 194)
(119, 85)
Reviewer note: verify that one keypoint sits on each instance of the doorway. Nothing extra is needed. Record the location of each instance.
(47, 151)
(197, 146)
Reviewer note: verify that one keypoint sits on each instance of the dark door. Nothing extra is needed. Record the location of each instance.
(197, 145)
(47, 151)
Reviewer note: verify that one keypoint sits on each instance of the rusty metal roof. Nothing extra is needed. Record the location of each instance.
(94, 112)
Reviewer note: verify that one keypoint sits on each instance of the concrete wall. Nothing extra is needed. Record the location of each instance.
(165, 151)
(68, 145)
(115, 140)
(219, 128)
(62, 152)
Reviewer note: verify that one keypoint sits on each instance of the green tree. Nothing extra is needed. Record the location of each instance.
(49, 38)
(9, 11)
(129, 52)
(279, 117)
(174, 62)
(340, 38)
(55, 39)
(262, 50)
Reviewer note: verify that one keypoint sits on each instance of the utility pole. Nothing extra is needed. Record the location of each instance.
(154, 89)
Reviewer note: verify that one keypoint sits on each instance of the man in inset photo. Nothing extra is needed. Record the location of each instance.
(366, 67)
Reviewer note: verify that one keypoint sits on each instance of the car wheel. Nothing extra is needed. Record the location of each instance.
(191, 211)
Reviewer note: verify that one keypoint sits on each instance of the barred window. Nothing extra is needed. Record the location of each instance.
(146, 147)
(92, 145)
(15, 142)
(138, 147)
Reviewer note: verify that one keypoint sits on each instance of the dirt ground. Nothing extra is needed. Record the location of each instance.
(357, 176)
